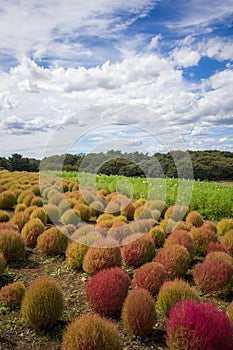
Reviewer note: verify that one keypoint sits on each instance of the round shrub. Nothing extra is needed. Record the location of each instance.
(53, 215)
(84, 210)
(91, 332)
(194, 218)
(71, 216)
(139, 251)
(30, 209)
(183, 225)
(149, 276)
(55, 198)
(75, 253)
(7, 200)
(28, 199)
(97, 259)
(105, 216)
(167, 226)
(138, 312)
(201, 237)
(31, 231)
(175, 259)
(39, 213)
(219, 255)
(12, 245)
(105, 224)
(52, 242)
(37, 201)
(158, 236)
(216, 247)
(176, 212)
(20, 207)
(173, 291)
(211, 226)
(20, 219)
(43, 303)
(224, 225)
(12, 294)
(2, 263)
(213, 277)
(107, 290)
(198, 326)
(113, 207)
(142, 213)
(182, 238)
(227, 240)
(230, 312)
(128, 210)
(4, 216)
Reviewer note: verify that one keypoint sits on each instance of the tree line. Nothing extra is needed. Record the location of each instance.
(205, 165)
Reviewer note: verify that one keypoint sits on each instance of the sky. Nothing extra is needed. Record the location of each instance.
(136, 75)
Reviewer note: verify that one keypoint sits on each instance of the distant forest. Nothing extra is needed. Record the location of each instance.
(206, 165)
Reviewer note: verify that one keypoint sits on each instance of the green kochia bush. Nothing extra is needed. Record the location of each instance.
(2, 263)
(138, 312)
(91, 332)
(52, 242)
(107, 290)
(31, 231)
(75, 253)
(43, 303)
(196, 326)
(12, 245)
(4, 216)
(173, 291)
(7, 200)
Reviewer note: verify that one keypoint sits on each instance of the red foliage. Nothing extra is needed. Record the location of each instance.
(197, 326)
(182, 238)
(175, 259)
(150, 276)
(138, 252)
(202, 236)
(138, 312)
(216, 247)
(107, 290)
(213, 277)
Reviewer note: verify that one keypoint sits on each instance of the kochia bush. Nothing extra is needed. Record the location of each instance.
(31, 231)
(214, 277)
(12, 245)
(52, 242)
(75, 253)
(107, 290)
(173, 291)
(43, 303)
(224, 225)
(201, 237)
(2, 263)
(139, 251)
(97, 259)
(194, 218)
(7, 200)
(12, 294)
(227, 240)
(138, 312)
(91, 332)
(182, 238)
(149, 276)
(196, 326)
(175, 259)
(4, 216)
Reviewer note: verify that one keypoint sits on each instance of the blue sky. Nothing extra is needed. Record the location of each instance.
(143, 68)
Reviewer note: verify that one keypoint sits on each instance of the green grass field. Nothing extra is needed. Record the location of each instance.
(214, 200)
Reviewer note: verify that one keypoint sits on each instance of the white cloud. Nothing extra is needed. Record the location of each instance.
(185, 56)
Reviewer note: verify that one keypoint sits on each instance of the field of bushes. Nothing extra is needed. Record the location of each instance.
(120, 266)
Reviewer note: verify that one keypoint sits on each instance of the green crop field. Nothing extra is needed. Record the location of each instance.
(214, 200)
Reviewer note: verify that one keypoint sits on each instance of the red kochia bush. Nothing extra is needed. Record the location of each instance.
(91, 332)
(107, 290)
(213, 277)
(138, 252)
(182, 238)
(195, 326)
(149, 276)
(194, 218)
(138, 312)
(216, 247)
(175, 259)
